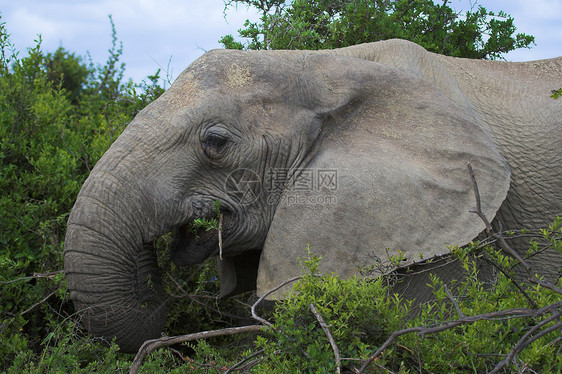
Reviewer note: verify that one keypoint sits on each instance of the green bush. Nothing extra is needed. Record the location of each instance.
(470, 329)
(320, 24)
(57, 117)
(478, 347)
(359, 312)
(362, 314)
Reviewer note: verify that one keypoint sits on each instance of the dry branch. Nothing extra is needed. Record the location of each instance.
(246, 359)
(501, 240)
(513, 281)
(220, 237)
(150, 345)
(194, 298)
(422, 330)
(329, 336)
(39, 303)
(527, 339)
(489, 230)
(454, 301)
(255, 315)
(48, 275)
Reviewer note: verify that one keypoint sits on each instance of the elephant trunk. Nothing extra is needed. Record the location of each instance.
(112, 274)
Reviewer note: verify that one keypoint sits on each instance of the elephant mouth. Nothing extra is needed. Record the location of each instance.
(193, 245)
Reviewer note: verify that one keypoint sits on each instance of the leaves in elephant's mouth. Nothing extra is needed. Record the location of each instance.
(208, 224)
(205, 224)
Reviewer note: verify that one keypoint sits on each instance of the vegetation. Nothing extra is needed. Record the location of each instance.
(59, 113)
(327, 24)
(329, 325)
(206, 224)
(362, 314)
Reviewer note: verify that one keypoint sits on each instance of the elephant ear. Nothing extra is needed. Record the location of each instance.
(389, 176)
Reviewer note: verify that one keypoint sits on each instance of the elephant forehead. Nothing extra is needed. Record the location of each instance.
(238, 76)
(238, 70)
(185, 87)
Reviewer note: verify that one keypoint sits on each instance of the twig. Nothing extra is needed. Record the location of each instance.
(447, 258)
(39, 303)
(329, 336)
(49, 275)
(478, 210)
(85, 161)
(459, 311)
(525, 341)
(246, 359)
(150, 345)
(194, 299)
(192, 362)
(546, 284)
(255, 315)
(422, 331)
(489, 230)
(220, 237)
(503, 244)
(513, 281)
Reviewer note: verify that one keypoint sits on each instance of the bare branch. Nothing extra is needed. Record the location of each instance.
(513, 281)
(220, 237)
(489, 229)
(503, 244)
(478, 210)
(246, 359)
(459, 311)
(39, 303)
(422, 331)
(525, 340)
(49, 275)
(150, 345)
(255, 315)
(194, 298)
(192, 362)
(329, 336)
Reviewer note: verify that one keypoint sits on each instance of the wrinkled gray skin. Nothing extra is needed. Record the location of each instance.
(396, 123)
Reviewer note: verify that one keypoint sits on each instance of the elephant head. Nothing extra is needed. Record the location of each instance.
(334, 149)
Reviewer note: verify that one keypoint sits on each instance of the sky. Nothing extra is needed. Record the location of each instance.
(170, 34)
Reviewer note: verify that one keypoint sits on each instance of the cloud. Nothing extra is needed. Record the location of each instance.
(151, 31)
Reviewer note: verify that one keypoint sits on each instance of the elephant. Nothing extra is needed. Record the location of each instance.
(358, 152)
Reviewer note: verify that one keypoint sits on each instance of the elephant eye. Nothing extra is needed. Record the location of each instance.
(214, 144)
